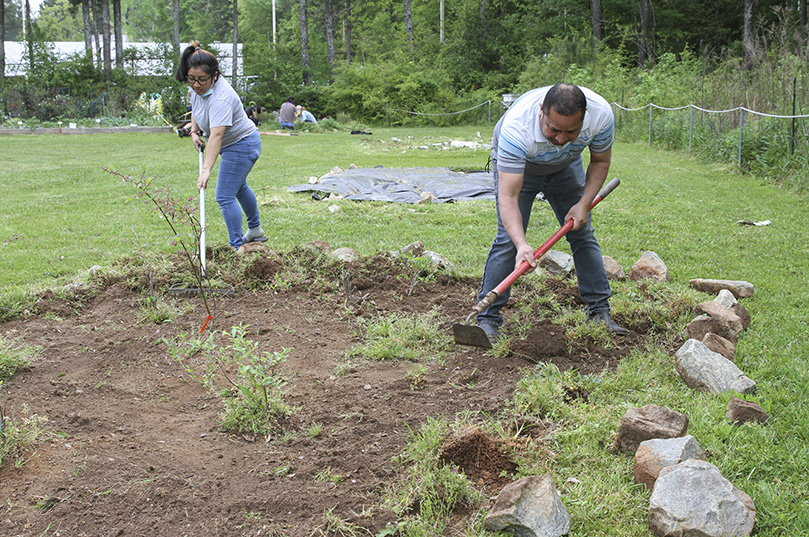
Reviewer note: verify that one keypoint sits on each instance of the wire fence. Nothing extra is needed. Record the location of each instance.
(755, 136)
(488, 104)
(771, 145)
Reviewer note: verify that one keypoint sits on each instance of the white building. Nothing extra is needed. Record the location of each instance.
(148, 63)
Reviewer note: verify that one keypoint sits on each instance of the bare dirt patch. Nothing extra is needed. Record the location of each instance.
(137, 447)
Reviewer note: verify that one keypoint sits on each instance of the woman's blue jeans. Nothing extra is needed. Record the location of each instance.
(232, 193)
(562, 190)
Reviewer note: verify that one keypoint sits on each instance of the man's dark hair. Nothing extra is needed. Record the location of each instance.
(566, 100)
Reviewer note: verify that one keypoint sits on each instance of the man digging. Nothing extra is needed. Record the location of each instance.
(537, 147)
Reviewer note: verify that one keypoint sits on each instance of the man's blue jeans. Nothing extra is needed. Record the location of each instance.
(232, 193)
(562, 190)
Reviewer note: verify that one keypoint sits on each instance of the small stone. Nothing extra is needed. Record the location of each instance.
(346, 254)
(557, 263)
(649, 266)
(648, 422)
(741, 411)
(740, 289)
(613, 269)
(720, 345)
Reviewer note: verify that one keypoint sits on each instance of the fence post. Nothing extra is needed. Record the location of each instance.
(387, 114)
(690, 127)
(792, 144)
(741, 133)
(650, 124)
(490, 112)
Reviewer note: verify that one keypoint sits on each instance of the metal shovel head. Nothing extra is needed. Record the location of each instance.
(467, 334)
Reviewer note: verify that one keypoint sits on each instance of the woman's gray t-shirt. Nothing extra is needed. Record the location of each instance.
(222, 108)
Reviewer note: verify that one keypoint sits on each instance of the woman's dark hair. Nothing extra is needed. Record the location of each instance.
(565, 99)
(194, 56)
(291, 100)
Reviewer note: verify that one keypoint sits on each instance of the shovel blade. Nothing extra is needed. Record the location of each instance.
(467, 334)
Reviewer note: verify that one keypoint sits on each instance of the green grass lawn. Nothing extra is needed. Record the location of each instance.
(62, 214)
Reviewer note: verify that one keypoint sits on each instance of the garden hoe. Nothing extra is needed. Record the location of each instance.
(191, 291)
(468, 334)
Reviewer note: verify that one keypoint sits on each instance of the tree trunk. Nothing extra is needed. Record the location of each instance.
(93, 4)
(2, 43)
(88, 32)
(105, 30)
(644, 47)
(119, 34)
(175, 27)
(598, 23)
(329, 19)
(304, 26)
(748, 34)
(348, 30)
(408, 18)
(235, 75)
(29, 39)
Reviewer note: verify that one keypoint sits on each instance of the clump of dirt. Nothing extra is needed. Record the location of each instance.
(546, 343)
(136, 442)
(481, 458)
(263, 268)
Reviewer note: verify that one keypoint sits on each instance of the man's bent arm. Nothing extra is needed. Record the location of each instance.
(508, 194)
(597, 172)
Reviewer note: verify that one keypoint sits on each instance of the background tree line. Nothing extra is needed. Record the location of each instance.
(429, 56)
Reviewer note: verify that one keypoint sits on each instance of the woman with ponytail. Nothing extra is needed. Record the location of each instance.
(218, 121)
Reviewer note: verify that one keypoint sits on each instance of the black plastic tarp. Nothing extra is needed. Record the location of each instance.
(404, 185)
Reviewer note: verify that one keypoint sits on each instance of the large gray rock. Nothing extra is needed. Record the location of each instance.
(740, 289)
(741, 411)
(648, 422)
(693, 499)
(707, 371)
(649, 266)
(557, 263)
(654, 455)
(529, 507)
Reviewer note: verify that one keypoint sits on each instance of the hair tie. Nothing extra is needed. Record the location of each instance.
(196, 49)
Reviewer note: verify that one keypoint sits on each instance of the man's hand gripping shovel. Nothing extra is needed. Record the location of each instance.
(468, 334)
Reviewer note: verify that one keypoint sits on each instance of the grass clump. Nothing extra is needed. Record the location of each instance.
(429, 492)
(18, 437)
(402, 337)
(15, 355)
(254, 404)
(246, 378)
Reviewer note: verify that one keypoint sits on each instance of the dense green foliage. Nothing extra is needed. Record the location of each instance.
(369, 68)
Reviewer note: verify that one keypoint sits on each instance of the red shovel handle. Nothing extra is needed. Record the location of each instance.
(542, 250)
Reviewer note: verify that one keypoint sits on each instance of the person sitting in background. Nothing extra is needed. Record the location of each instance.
(306, 116)
(287, 115)
(252, 112)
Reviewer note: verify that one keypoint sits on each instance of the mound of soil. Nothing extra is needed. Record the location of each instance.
(136, 445)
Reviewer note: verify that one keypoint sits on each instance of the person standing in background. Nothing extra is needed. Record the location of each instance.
(287, 115)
